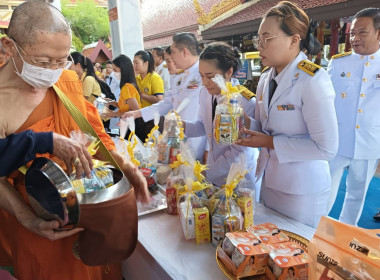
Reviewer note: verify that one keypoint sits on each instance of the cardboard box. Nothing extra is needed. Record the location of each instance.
(268, 233)
(287, 261)
(250, 255)
(246, 206)
(202, 225)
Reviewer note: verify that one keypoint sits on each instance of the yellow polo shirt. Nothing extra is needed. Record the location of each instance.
(152, 84)
(91, 88)
(128, 91)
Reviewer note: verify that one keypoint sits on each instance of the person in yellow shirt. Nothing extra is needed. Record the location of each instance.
(151, 87)
(129, 99)
(149, 82)
(84, 68)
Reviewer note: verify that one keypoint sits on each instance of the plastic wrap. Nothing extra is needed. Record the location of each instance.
(340, 251)
(229, 114)
(169, 144)
(226, 213)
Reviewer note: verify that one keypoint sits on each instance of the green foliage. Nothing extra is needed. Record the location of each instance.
(77, 43)
(89, 23)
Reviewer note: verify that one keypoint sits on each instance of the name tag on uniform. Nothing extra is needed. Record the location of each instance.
(285, 107)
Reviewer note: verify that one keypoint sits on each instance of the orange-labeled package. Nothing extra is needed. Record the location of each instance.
(287, 260)
(339, 251)
(244, 254)
(268, 233)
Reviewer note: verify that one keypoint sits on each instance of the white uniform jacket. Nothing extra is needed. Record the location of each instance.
(221, 157)
(187, 84)
(302, 119)
(356, 79)
(163, 71)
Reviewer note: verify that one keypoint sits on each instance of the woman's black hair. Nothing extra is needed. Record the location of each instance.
(224, 56)
(147, 56)
(86, 64)
(293, 20)
(127, 72)
(168, 50)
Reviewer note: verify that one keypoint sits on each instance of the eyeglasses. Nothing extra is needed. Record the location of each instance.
(46, 64)
(361, 34)
(263, 42)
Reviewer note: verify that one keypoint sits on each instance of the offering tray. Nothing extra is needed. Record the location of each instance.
(156, 203)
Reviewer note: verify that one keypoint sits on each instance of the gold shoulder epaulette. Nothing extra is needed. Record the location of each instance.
(341, 55)
(266, 68)
(246, 92)
(309, 67)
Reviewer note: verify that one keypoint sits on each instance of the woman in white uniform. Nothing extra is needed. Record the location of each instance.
(295, 122)
(219, 58)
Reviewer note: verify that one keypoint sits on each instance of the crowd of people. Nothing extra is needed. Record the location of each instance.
(304, 126)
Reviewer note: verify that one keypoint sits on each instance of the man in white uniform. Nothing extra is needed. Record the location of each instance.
(161, 67)
(356, 79)
(112, 79)
(186, 85)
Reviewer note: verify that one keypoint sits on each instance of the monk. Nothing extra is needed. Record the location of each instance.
(38, 54)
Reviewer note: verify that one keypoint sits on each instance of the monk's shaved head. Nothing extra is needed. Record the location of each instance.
(33, 18)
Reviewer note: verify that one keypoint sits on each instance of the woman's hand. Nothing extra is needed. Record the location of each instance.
(247, 121)
(112, 103)
(256, 140)
(108, 115)
(135, 114)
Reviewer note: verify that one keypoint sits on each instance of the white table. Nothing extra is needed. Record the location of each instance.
(164, 253)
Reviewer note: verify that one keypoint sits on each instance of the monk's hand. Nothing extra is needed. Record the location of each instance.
(138, 181)
(135, 114)
(48, 229)
(72, 153)
(256, 140)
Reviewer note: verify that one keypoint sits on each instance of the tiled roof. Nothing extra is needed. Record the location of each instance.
(258, 10)
(167, 16)
(163, 41)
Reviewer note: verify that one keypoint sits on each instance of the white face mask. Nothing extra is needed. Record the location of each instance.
(117, 75)
(37, 77)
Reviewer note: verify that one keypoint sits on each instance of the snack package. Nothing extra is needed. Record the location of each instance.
(287, 261)
(246, 205)
(175, 186)
(149, 175)
(193, 214)
(340, 251)
(229, 114)
(152, 140)
(244, 254)
(268, 233)
(169, 144)
(101, 178)
(101, 175)
(101, 105)
(163, 172)
(202, 225)
(135, 147)
(226, 213)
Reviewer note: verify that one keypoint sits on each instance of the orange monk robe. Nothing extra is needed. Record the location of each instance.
(32, 256)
